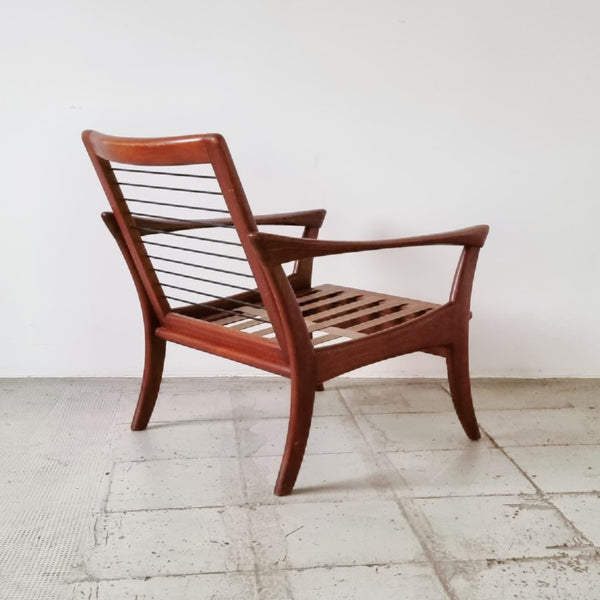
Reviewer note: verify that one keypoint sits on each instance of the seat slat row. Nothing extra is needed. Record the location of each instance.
(357, 313)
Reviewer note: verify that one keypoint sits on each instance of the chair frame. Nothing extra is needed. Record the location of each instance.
(442, 330)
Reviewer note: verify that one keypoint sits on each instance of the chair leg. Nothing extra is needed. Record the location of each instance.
(302, 402)
(457, 361)
(153, 370)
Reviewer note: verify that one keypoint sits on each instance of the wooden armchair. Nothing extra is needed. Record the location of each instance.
(207, 278)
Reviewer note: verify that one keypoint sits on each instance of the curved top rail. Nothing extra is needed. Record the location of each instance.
(160, 151)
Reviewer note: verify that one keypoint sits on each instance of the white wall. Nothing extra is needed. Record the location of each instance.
(398, 116)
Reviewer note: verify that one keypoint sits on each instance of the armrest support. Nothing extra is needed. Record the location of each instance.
(278, 249)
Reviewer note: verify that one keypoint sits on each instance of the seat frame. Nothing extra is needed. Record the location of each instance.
(293, 352)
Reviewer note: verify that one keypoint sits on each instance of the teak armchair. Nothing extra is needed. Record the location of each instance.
(207, 278)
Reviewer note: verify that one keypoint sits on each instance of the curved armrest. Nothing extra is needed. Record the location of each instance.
(279, 249)
(305, 218)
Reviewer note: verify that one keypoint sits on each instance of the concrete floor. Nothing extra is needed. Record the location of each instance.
(392, 502)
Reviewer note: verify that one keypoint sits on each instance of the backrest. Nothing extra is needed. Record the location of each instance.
(185, 220)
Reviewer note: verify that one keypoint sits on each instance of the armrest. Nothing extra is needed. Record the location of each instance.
(278, 249)
(305, 218)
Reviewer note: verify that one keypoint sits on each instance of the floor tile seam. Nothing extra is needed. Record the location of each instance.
(539, 492)
(174, 422)
(427, 551)
(364, 413)
(570, 408)
(307, 453)
(97, 541)
(89, 578)
(523, 495)
(567, 557)
(559, 552)
(443, 383)
(274, 571)
(345, 402)
(591, 405)
(460, 450)
(338, 501)
(110, 462)
(575, 493)
(248, 419)
(569, 522)
(372, 455)
(329, 565)
(239, 455)
(251, 506)
(579, 548)
(315, 417)
(244, 490)
(507, 409)
(404, 385)
(588, 549)
(565, 445)
(95, 579)
(384, 451)
(159, 459)
(262, 587)
(522, 471)
(173, 509)
(342, 400)
(254, 545)
(168, 458)
(285, 417)
(378, 429)
(103, 500)
(567, 553)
